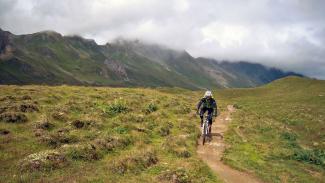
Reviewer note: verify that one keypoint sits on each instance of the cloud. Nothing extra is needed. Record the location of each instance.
(289, 34)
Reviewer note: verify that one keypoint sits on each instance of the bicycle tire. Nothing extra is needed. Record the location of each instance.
(204, 134)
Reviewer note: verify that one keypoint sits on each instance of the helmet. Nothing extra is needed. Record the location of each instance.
(208, 94)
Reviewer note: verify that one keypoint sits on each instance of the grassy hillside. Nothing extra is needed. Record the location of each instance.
(104, 134)
(87, 134)
(278, 131)
(49, 58)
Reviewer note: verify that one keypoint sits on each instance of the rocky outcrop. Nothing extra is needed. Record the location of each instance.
(5, 48)
(117, 68)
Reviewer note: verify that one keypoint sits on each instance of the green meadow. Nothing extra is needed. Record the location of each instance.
(103, 134)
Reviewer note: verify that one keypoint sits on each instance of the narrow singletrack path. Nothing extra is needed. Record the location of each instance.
(211, 153)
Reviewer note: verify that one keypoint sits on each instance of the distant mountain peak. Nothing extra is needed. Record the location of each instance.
(80, 38)
(50, 58)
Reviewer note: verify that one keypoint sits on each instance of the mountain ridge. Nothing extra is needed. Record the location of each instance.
(48, 57)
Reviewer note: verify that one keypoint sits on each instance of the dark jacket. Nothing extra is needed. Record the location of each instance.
(208, 103)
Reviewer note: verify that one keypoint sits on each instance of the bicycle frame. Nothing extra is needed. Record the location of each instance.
(205, 129)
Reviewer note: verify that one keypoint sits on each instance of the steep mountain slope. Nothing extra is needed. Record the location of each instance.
(206, 71)
(49, 58)
(242, 74)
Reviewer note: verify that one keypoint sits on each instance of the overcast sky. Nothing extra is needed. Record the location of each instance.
(289, 34)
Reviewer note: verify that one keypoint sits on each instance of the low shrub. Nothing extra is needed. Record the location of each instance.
(291, 139)
(58, 138)
(44, 160)
(134, 162)
(289, 136)
(60, 116)
(165, 129)
(316, 156)
(9, 97)
(26, 97)
(111, 143)
(181, 152)
(121, 130)
(237, 106)
(27, 108)
(86, 152)
(117, 107)
(44, 124)
(11, 117)
(151, 124)
(177, 146)
(4, 132)
(152, 107)
(179, 175)
(3, 109)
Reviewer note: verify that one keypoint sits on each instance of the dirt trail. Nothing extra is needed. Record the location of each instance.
(211, 153)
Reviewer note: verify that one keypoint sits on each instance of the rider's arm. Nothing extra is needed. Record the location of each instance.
(215, 109)
(199, 104)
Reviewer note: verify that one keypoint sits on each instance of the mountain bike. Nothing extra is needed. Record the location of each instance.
(205, 129)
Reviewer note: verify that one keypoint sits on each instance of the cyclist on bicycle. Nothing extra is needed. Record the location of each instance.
(207, 104)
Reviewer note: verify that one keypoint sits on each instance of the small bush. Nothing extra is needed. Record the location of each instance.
(86, 152)
(78, 123)
(121, 130)
(9, 97)
(26, 97)
(85, 123)
(44, 124)
(134, 162)
(237, 106)
(316, 156)
(13, 117)
(3, 109)
(151, 108)
(58, 138)
(45, 160)
(60, 116)
(4, 132)
(177, 146)
(152, 124)
(111, 143)
(289, 136)
(27, 108)
(165, 129)
(181, 152)
(117, 107)
(179, 175)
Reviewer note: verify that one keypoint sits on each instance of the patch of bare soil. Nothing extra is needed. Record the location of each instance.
(212, 152)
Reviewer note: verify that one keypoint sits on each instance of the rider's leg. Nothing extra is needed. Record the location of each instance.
(202, 111)
(210, 111)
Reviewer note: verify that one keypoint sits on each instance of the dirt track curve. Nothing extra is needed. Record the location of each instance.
(211, 153)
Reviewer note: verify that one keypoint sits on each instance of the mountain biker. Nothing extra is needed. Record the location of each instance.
(207, 104)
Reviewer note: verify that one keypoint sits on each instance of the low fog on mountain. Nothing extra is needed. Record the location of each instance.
(285, 34)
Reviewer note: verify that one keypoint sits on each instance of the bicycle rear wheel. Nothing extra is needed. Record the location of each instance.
(204, 134)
